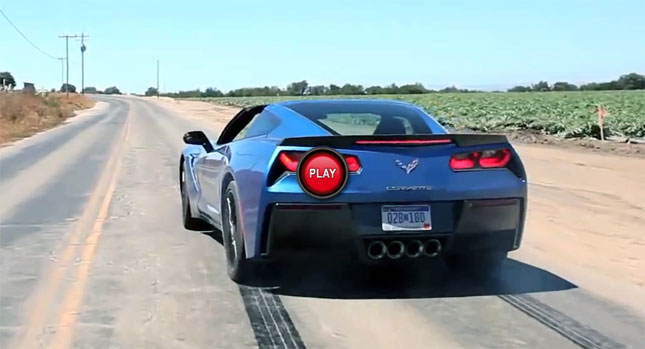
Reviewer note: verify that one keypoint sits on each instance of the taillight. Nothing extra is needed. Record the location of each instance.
(497, 158)
(464, 161)
(353, 165)
(404, 141)
(290, 161)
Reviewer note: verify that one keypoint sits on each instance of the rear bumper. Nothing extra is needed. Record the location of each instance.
(460, 226)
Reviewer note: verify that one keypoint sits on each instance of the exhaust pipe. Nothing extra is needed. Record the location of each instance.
(432, 248)
(395, 249)
(414, 249)
(376, 249)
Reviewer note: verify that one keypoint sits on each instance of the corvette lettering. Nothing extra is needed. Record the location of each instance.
(409, 187)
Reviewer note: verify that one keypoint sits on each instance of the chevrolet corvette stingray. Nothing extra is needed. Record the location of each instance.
(381, 181)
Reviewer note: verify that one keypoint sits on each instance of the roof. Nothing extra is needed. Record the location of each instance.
(321, 108)
(350, 101)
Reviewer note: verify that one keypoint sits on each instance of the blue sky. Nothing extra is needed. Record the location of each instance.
(233, 44)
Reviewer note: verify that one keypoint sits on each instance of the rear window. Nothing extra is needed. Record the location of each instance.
(360, 118)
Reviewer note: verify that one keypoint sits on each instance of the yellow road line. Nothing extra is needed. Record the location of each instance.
(75, 295)
(44, 295)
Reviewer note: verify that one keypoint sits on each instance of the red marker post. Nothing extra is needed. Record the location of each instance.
(322, 173)
(602, 113)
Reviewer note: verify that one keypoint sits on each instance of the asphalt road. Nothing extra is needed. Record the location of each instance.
(93, 255)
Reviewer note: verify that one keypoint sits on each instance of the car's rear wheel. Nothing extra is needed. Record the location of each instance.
(189, 221)
(240, 269)
(483, 263)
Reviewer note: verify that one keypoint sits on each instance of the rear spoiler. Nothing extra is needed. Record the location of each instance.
(460, 139)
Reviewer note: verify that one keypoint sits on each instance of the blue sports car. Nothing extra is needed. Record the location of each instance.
(380, 181)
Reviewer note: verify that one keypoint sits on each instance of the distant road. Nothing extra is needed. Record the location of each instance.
(93, 255)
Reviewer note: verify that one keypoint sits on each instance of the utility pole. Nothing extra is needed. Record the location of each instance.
(67, 37)
(83, 48)
(67, 58)
(157, 79)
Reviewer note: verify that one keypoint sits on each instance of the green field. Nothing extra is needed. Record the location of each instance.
(567, 114)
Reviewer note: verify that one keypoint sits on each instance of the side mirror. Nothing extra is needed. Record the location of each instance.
(198, 138)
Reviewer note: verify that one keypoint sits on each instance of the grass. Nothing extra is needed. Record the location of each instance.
(566, 114)
(22, 115)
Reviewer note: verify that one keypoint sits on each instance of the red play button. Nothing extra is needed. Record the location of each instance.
(322, 173)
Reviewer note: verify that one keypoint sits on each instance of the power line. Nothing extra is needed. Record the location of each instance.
(62, 71)
(25, 37)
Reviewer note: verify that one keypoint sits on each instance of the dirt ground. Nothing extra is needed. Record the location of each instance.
(615, 145)
(22, 115)
(586, 211)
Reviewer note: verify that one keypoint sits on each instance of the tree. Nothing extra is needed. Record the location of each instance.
(592, 86)
(449, 89)
(391, 90)
(275, 91)
(412, 89)
(68, 88)
(212, 92)
(318, 90)
(7, 82)
(236, 93)
(601, 86)
(254, 91)
(190, 94)
(564, 86)
(151, 91)
(520, 88)
(541, 86)
(297, 88)
(90, 90)
(349, 89)
(112, 91)
(375, 90)
(333, 90)
(632, 81)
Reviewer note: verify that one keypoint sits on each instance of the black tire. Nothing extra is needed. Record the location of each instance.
(240, 269)
(190, 222)
(482, 263)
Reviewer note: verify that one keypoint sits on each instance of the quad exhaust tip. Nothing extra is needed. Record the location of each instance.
(414, 249)
(376, 249)
(395, 249)
(432, 247)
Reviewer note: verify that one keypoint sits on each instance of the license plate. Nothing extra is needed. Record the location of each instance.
(405, 217)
